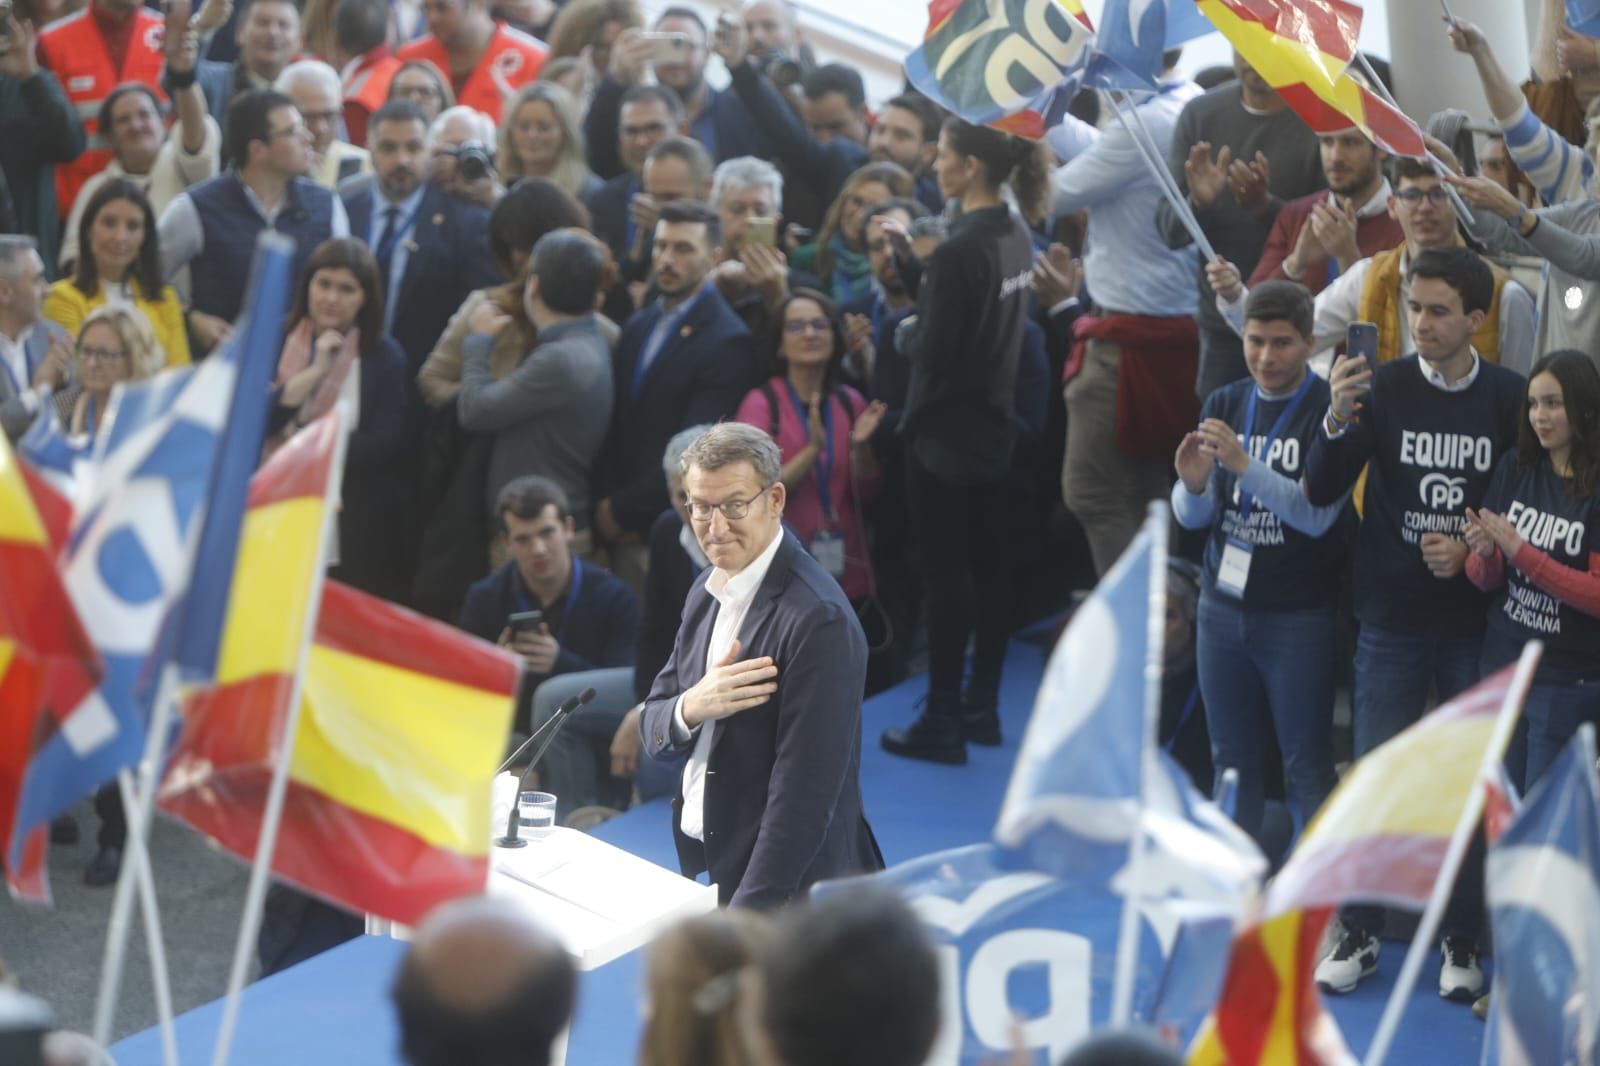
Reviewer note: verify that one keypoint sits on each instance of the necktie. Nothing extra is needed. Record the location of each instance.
(386, 242)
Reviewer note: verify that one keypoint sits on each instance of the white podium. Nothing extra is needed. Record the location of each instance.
(601, 901)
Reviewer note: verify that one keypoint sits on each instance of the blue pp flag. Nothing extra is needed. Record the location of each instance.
(1027, 926)
(1544, 902)
(1012, 64)
(145, 494)
(1132, 37)
(195, 629)
(1583, 16)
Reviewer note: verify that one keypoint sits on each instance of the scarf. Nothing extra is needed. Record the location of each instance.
(852, 272)
(297, 356)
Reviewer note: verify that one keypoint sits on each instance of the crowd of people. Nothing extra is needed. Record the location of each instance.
(539, 253)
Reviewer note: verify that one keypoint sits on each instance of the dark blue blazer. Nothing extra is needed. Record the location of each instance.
(783, 789)
(703, 370)
(447, 260)
(377, 493)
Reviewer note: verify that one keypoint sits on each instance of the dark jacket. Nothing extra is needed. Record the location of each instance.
(597, 626)
(730, 130)
(38, 129)
(703, 370)
(821, 167)
(608, 213)
(666, 586)
(783, 791)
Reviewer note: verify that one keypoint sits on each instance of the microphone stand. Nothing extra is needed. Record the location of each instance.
(513, 838)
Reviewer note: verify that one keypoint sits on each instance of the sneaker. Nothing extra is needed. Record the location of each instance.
(1460, 978)
(1353, 957)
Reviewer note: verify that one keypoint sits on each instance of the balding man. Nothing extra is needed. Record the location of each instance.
(316, 90)
(482, 985)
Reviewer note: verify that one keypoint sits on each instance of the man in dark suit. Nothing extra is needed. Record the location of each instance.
(684, 359)
(432, 248)
(33, 350)
(762, 693)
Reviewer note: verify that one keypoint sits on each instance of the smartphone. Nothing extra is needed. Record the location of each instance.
(1361, 339)
(524, 621)
(668, 47)
(5, 18)
(761, 231)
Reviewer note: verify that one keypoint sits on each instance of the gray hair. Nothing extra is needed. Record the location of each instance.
(13, 246)
(742, 172)
(482, 126)
(309, 70)
(672, 458)
(727, 443)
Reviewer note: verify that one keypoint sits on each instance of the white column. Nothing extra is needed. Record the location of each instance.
(1429, 76)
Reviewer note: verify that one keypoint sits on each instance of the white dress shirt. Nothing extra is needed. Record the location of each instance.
(14, 354)
(734, 596)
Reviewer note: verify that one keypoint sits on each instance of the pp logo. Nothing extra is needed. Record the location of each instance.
(1441, 492)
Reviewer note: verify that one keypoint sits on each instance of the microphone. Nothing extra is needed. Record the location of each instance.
(512, 838)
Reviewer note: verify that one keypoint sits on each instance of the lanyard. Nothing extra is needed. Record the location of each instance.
(1247, 501)
(822, 468)
(573, 588)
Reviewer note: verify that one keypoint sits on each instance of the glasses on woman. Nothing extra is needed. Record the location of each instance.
(418, 92)
(101, 355)
(732, 510)
(797, 326)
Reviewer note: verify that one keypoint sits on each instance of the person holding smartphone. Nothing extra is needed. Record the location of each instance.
(1430, 428)
(1265, 629)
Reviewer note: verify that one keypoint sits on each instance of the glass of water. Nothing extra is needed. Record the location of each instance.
(537, 813)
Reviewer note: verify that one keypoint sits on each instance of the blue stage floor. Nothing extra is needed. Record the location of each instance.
(334, 1009)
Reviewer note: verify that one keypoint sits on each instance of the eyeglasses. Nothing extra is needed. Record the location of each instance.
(732, 510)
(800, 325)
(419, 92)
(652, 129)
(295, 131)
(1438, 195)
(101, 355)
(321, 116)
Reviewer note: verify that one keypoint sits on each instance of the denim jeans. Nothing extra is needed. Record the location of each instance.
(1394, 671)
(1261, 667)
(1552, 715)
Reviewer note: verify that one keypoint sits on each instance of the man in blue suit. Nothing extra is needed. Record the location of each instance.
(762, 693)
(33, 351)
(684, 359)
(432, 248)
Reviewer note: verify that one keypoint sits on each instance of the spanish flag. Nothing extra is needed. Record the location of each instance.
(401, 725)
(47, 662)
(1301, 48)
(1380, 838)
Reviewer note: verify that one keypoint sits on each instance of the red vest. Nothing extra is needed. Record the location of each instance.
(366, 89)
(76, 54)
(517, 56)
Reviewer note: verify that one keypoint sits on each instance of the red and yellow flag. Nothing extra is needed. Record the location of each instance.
(1301, 48)
(47, 662)
(1380, 838)
(402, 721)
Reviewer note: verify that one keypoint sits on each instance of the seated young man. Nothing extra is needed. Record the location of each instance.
(559, 613)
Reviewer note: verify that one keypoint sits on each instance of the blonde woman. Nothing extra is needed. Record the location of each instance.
(692, 989)
(540, 137)
(114, 345)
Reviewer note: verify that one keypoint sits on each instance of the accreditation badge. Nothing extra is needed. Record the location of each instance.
(1234, 570)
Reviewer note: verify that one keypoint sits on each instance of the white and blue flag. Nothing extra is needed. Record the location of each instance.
(1132, 36)
(1544, 903)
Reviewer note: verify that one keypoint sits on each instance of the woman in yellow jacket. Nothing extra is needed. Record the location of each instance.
(119, 261)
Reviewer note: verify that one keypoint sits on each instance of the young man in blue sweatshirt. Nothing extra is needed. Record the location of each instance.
(1432, 426)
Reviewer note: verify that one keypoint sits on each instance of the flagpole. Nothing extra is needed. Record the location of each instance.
(1128, 936)
(272, 816)
(1163, 176)
(1439, 166)
(135, 877)
(1433, 913)
(139, 856)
